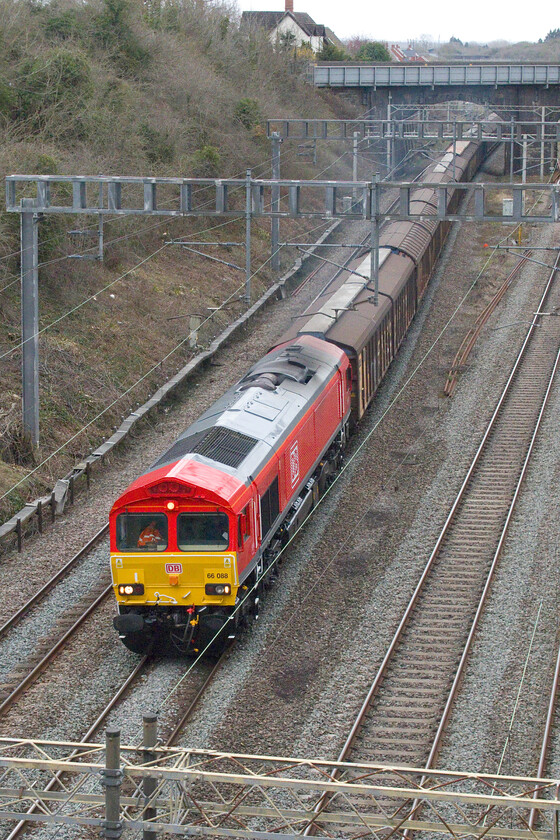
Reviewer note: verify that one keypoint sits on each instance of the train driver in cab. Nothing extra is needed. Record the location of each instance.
(150, 535)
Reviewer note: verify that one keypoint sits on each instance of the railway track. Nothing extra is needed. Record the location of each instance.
(404, 716)
(35, 599)
(547, 737)
(47, 647)
(390, 205)
(470, 339)
(200, 679)
(45, 650)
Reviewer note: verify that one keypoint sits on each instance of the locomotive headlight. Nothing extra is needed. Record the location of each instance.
(217, 589)
(170, 505)
(131, 589)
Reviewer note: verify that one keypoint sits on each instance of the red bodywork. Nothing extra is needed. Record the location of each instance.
(203, 486)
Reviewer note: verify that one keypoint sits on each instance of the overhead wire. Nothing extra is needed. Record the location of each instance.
(166, 221)
(118, 279)
(392, 402)
(265, 165)
(144, 376)
(82, 303)
(117, 399)
(154, 367)
(15, 278)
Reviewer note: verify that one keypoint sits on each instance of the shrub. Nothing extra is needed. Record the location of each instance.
(205, 162)
(373, 51)
(111, 26)
(224, 27)
(7, 98)
(116, 94)
(63, 25)
(248, 113)
(331, 53)
(113, 30)
(46, 165)
(158, 145)
(62, 76)
(305, 52)
(71, 73)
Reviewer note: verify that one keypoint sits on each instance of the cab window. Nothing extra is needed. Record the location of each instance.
(202, 531)
(141, 532)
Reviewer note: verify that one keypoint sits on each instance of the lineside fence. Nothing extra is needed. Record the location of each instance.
(120, 790)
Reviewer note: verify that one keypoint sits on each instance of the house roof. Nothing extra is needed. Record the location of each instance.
(270, 20)
(405, 53)
(333, 38)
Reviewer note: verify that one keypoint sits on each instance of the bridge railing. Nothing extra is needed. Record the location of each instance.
(434, 75)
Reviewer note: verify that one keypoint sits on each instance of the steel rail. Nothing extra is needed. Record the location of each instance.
(56, 779)
(169, 742)
(358, 723)
(445, 716)
(461, 667)
(172, 739)
(347, 262)
(472, 335)
(452, 694)
(545, 744)
(355, 254)
(41, 665)
(40, 594)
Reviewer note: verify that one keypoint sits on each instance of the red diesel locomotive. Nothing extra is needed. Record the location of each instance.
(191, 538)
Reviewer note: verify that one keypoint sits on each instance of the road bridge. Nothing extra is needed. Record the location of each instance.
(496, 84)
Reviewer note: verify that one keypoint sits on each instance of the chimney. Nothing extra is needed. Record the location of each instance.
(289, 5)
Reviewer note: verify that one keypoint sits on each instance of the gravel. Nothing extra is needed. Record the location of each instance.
(97, 643)
(45, 618)
(294, 683)
(297, 684)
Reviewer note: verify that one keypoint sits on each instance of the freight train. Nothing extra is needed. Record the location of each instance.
(192, 539)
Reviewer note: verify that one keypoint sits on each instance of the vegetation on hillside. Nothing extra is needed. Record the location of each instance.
(131, 88)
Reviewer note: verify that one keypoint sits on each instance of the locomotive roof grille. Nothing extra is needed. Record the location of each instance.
(225, 446)
(180, 448)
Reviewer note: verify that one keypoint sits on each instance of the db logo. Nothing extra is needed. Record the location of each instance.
(173, 568)
(294, 463)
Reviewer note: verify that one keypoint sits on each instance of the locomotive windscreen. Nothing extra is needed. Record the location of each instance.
(141, 532)
(202, 531)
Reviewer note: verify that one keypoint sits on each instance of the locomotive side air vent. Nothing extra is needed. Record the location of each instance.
(225, 446)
